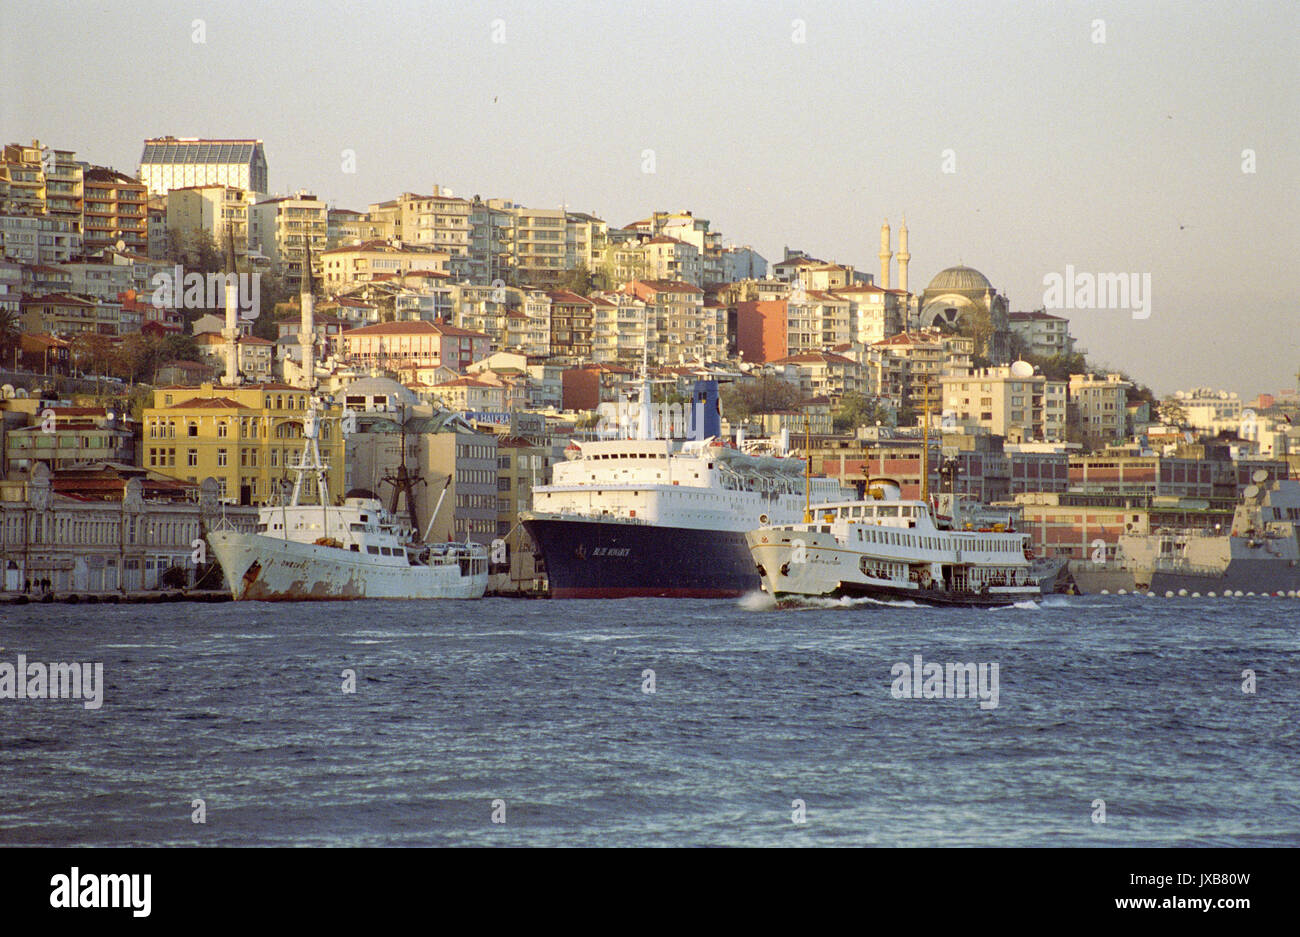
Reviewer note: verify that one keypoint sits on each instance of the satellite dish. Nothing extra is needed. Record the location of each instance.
(121, 245)
(1250, 492)
(1259, 477)
(1022, 369)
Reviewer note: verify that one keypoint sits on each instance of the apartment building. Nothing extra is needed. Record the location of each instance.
(405, 346)
(874, 313)
(1042, 334)
(1015, 406)
(114, 209)
(667, 258)
(214, 210)
(571, 326)
(826, 374)
(1099, 404)
(342, 267)
(678, 325)
(284, 227)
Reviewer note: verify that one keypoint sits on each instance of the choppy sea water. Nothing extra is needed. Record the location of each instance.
(536, 713)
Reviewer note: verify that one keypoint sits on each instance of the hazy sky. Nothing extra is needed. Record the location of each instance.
(1115, 156)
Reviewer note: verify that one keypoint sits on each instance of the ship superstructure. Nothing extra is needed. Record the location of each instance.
(1260, 552)
(894, 549)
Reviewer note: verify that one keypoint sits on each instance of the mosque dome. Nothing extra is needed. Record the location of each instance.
(959, 278)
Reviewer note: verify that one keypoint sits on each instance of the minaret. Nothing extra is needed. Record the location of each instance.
(885, 255)
(903, 256)
(307, 329)
(231, 332)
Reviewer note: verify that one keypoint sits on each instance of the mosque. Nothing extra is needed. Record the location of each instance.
(956, 296)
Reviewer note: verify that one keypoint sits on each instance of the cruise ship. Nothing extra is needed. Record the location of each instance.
(660, 517)
(889, 549)
(353, 550)
(1259, 554)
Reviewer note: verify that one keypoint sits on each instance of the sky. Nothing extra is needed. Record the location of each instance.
(1142, 138)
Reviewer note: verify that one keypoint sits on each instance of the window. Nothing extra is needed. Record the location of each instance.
(191, 457)
(221, 457)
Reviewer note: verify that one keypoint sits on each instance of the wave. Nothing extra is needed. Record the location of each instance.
(756, 602)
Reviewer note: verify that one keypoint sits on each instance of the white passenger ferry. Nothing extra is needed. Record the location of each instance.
(894, 549)
(354, 550)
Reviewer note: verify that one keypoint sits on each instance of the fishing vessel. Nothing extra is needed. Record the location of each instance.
(663, 517)
(1260, 553)
(894, 549)
(353, 550)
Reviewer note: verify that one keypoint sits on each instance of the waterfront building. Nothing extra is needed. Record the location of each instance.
(108, 527)
(244, 436)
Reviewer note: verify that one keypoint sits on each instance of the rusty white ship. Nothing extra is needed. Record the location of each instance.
(353, 550)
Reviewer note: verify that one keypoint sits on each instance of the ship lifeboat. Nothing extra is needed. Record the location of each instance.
(328, 542)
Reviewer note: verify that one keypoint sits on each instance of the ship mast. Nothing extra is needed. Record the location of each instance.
(807, 469)
(404, 482)
(925, 439)
(646, 428)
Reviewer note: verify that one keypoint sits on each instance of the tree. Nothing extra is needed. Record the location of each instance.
(577, 280)
(178, 348)
(273, 290)
(1172, 412)
(92, 352)
(764, 395)
(136, 357)
(857, 410)
(11, 334)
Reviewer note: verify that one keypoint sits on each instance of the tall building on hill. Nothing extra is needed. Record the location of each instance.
(178, 162)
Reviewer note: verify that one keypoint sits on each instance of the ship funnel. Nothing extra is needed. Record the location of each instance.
(705, 418)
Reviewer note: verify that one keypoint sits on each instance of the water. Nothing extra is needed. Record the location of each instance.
(1134, 701)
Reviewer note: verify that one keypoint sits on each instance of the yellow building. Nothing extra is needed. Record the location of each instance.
(243, 436)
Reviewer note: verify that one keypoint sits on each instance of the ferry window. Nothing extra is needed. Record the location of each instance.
(355, 548)
(890, 510)
(373, 550)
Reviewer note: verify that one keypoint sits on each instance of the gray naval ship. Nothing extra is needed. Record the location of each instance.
(1260, 554)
